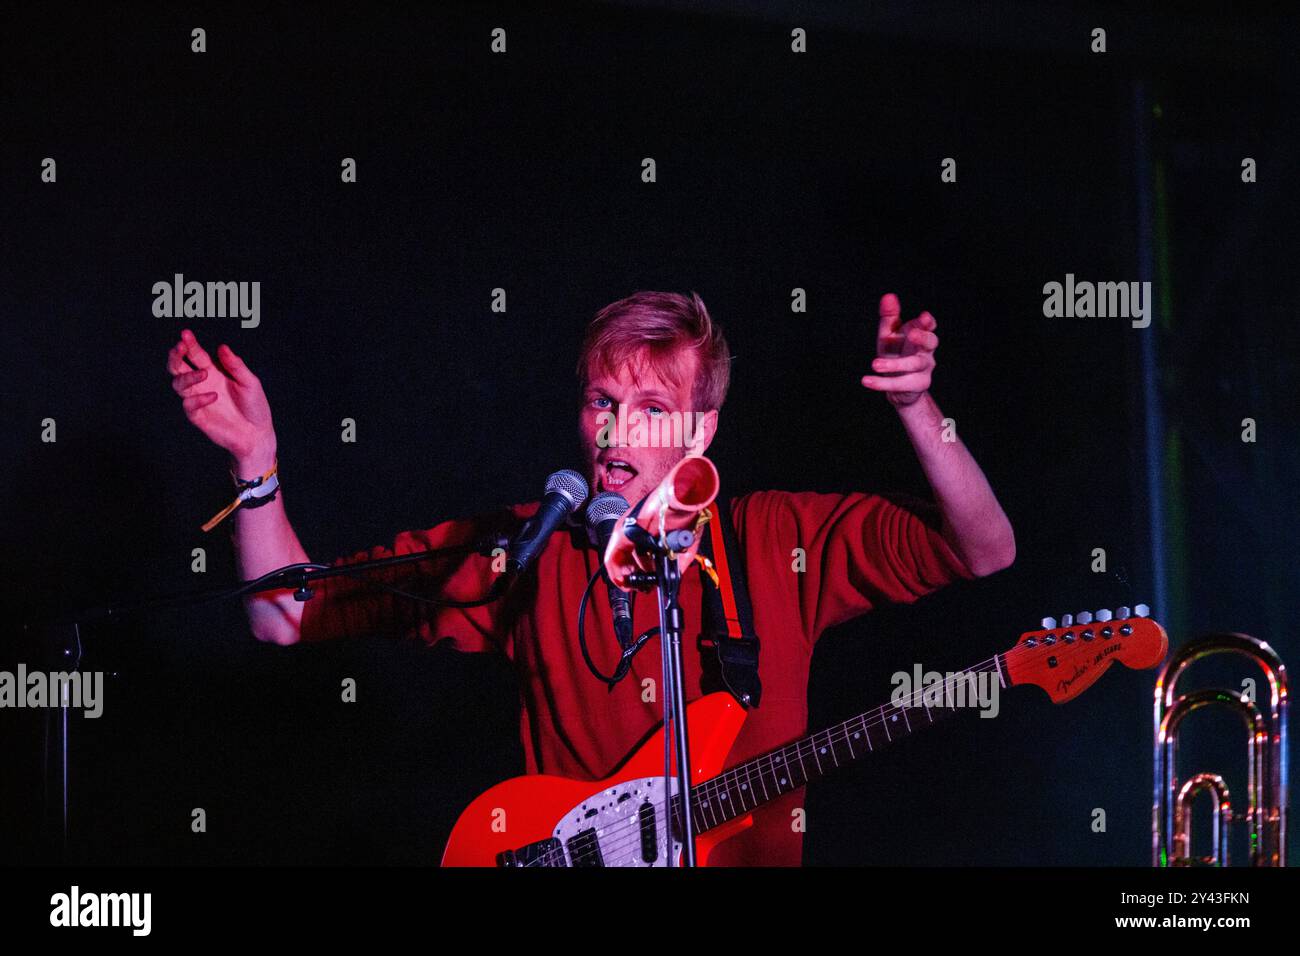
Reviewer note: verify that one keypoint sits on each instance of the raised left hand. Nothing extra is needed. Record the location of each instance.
(904, 354)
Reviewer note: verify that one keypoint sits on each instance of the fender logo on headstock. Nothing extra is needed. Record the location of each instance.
(1064, 685)
(1041, 656)
(1081, 669)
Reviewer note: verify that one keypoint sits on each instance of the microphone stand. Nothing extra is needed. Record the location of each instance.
(60, 639)
(667, 578)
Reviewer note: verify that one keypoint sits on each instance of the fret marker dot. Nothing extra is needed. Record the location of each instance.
(783, 781)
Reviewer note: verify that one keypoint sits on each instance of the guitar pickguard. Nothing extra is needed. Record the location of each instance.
(623, 825)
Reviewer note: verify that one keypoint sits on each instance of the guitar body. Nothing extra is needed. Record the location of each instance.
(530, 810)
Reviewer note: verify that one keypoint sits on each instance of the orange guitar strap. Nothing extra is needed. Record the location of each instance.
(728, 614)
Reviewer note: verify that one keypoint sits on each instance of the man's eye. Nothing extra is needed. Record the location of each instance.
(655, 410)
(596, 402)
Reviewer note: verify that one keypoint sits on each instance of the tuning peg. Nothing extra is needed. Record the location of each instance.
(1121, 613)
(1142, 611)
(1049, 623)
(1104, 615)
(1085, 617)
(1067, 620)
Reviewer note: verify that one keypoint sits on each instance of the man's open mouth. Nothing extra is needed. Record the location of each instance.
(615, 473)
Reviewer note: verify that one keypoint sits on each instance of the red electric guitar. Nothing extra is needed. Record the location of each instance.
(543, 820)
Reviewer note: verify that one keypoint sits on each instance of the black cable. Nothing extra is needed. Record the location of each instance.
(628, 652)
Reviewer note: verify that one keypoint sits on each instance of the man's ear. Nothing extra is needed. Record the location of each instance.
(706, 426)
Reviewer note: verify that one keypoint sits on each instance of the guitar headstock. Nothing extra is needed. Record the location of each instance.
(1065, 658)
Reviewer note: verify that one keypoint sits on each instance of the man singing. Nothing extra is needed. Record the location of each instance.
(652, 354)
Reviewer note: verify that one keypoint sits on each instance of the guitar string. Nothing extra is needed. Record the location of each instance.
(840, 733)
(558, 852)
(712, 787)
(882, 715)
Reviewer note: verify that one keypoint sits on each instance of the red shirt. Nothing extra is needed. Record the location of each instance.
(858, 550)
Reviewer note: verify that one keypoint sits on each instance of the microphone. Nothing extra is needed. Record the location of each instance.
(603, 513)
(566, 490)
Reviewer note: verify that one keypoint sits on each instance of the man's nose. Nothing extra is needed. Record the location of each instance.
(607, 431)
(617, 431)
(620, 428)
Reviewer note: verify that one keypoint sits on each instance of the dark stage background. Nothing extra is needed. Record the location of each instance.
(775, 171)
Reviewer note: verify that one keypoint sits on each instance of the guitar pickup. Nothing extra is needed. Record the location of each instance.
(584, 849)
(649, 833)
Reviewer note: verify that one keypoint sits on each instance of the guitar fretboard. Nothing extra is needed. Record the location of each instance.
(740, 790)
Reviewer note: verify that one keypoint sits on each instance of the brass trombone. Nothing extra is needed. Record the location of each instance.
(1266, 751)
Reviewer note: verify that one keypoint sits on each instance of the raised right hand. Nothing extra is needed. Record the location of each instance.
(225, 401)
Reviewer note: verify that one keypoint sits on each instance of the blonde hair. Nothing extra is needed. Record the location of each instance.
(659, 330)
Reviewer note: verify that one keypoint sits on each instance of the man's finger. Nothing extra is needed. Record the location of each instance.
(200, 358)
(889, 310)
(909, 363)
(914, 382)
(922, 339)
(235, 366)
(187, 380)
(176, 360)
(195, 402)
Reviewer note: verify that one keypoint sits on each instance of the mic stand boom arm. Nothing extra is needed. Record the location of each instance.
(61, 641)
